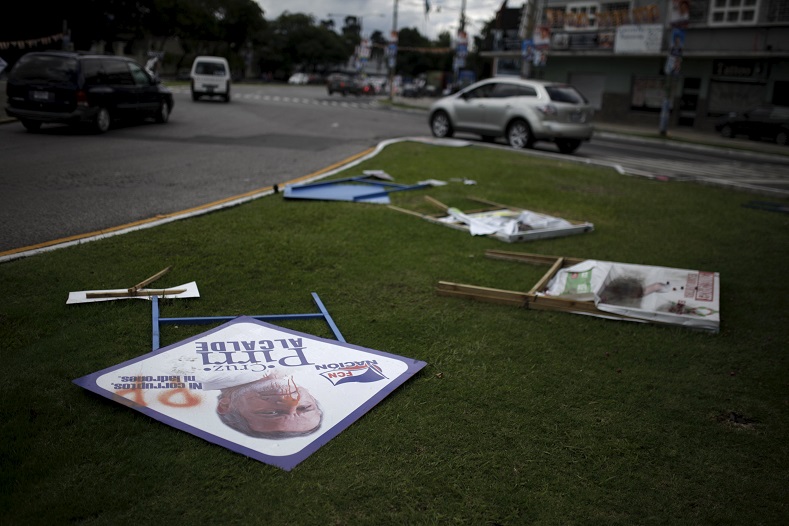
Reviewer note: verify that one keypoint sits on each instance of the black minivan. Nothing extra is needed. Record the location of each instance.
(83, 89)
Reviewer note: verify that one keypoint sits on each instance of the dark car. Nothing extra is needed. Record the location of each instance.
(341, 83)
(83, 89)
(763, 122)
(348, 85)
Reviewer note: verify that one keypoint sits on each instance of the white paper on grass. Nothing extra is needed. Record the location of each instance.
(661, 294)
(81, 296)
(432, 182)
(503, 222)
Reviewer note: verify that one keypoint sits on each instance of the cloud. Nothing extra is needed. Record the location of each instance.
(378, 15)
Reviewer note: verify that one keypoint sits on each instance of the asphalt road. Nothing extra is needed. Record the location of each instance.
(63, 182)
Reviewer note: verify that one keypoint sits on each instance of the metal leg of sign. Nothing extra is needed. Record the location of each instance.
(157, 320)
(327, 317)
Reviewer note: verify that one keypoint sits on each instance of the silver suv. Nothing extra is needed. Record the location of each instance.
(522, 111)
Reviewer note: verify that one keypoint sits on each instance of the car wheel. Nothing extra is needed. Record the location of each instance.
(782, 138)
(568, 145)
(31, 126)
(519, 134)
(727, 132)
(163, 114)
(440, 125)
(195, 96)
(102, 121)
(227, 93)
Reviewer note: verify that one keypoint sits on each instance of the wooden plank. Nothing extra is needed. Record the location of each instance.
(150, 280)
(540, 285)
(436, 202)
(536, 259)
(485, 294)
(405, 211)
(127, 294)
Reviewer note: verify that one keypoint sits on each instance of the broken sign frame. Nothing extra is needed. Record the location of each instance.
(499, 210)
(158, 321)
(536, 299)
(363, 188)
(188, 290)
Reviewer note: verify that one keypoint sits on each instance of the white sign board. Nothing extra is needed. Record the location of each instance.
(267, 392)
(639, 40)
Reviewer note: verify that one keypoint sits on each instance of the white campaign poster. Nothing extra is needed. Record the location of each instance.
(638, 39)
(660, 294)
(267, 392)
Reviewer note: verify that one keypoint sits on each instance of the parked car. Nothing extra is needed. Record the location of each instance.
(520, 110)
(347, 85)
(210, 77)
(338, 83)
(299, 78)
(83, 89)
(763, 122)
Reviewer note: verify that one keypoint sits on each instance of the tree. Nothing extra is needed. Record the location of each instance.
(296, 43)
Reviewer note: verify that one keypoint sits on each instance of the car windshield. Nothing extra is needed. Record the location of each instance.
(565, 94)
(210, 68)
(45, 67)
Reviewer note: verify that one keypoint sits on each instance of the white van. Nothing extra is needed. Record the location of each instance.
(210, 77)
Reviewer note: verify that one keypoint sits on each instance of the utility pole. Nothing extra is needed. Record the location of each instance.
(671, 71)
(525, 32)
(392, 51)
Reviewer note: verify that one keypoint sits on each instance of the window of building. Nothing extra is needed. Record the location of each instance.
(581, 15)
(777, 11)
(733, 12)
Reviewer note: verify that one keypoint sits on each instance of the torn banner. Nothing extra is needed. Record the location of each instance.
(504, 223)
(661, 294)
(622, 291)
(270, 393)
(514, 225)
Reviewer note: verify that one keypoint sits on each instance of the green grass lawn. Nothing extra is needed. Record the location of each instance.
(520, 417)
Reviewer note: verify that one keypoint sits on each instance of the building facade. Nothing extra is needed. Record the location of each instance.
(702, 58)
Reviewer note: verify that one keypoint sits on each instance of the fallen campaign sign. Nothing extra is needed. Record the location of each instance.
(640, 293)
(666, 295)
(270, 393)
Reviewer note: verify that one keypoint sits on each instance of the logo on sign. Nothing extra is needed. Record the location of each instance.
(363, 372)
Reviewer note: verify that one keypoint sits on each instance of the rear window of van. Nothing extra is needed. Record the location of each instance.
(45, 68)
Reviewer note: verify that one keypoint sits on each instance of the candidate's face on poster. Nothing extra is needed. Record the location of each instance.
(274, 407)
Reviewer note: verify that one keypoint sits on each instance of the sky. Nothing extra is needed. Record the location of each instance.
(444, 15)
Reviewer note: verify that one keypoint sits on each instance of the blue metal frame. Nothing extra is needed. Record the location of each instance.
(158, 320)
(371, 189)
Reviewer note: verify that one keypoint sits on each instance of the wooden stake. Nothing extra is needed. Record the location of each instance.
(149, 280)
(132, 294)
